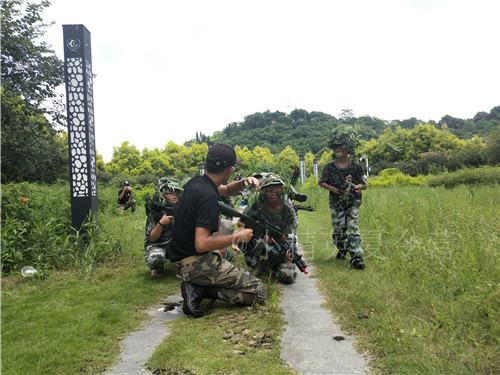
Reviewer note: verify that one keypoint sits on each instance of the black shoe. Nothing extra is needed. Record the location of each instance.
(192, 295)
(358, 264)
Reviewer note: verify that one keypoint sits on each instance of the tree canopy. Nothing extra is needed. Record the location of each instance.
(30, 68)
(32, 150)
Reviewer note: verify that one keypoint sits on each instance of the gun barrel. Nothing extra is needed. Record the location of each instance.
(229, 211)
(305, 208)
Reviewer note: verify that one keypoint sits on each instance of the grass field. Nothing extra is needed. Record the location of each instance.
(431, 287)
(430, 291)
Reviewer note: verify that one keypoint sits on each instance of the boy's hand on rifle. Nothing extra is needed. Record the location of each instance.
(269, 240)
(165, 220)
(336, 191)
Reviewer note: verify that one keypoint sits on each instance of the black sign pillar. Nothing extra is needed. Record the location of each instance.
(80, 111)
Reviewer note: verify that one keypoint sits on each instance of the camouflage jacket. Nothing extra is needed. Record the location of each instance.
(335, 176)
(285, 218)
(154, 217)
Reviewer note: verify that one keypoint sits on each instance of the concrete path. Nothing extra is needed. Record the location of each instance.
(312, 343)
(309, 342)
(138, 346)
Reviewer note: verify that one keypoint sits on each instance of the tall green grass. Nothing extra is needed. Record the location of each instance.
(37, 231)
(430, 290)
(431, 287)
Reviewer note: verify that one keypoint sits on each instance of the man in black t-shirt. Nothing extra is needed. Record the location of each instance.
(193, 248)
(345, 179)
(126, 198)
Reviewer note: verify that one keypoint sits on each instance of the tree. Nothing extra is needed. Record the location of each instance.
(245, 156)
(425, 138)
(125, 158)
(326, 157)
(287, 161)
(452, 122)
(493, 148)
(347, 117)
(262, 158)
(298, 114)
(495, 113)
(31, 148)
(309, 159)
(30, 68)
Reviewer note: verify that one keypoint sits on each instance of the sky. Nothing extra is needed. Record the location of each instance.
(168, 69)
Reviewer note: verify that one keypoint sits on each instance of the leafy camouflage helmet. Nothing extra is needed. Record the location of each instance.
(167, 183)
(344, 135)
(271, 179)
(263, 175)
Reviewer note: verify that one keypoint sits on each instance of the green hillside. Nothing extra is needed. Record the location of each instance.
(306, 131)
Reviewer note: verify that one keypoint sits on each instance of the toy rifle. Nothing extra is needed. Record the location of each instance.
(261, 226)
(168, 210)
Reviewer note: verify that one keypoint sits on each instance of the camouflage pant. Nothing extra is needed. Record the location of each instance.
(126, 206)
(346, 235)
(285, 272)
(156, 256)
(235, 285)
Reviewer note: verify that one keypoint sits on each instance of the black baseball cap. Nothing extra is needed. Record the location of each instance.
(126, 183)
(220, 156)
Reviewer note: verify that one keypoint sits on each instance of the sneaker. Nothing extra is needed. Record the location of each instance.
(155, 273)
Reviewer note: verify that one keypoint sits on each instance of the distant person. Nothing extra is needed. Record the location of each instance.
(345, 179)
(126, 198)
(159, 225)
(193, 249)
(272, 203)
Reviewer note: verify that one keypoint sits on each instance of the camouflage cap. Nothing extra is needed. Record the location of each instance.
(167, 183)
(271, 179)
(263, 175)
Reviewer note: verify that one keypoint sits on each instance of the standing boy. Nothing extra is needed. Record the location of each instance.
(345, 179)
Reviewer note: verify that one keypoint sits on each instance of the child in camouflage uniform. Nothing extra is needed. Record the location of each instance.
(344, 179)
(278, 210)
(159, 225)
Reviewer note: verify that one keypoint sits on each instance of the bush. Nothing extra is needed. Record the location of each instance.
(482, 176)
(393, 177)
(493, 148)
(472, 155)
(37, 231)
